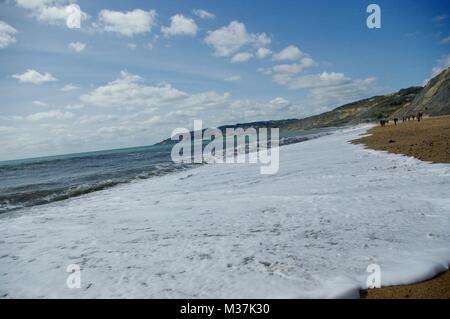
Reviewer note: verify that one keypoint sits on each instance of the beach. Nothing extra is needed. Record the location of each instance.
(428, 140)
(227, 231)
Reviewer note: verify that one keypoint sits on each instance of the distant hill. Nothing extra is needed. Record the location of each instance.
(433, 100)
(363, 111)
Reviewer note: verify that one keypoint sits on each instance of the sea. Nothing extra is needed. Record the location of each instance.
(37, 181)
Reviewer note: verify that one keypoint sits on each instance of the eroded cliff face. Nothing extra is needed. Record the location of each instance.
(434, 99)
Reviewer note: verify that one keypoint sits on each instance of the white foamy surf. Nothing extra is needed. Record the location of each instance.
(222, 231)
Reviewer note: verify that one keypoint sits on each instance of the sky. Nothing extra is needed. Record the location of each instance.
(136, 70)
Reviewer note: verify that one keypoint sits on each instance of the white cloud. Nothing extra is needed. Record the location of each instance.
(229, 39)
(6, 34)
(33, 4)
(265, 71)
(127, 91)
(77, 46)
(39, 103)
(324, 79)
(330, 88)
(128, 23)
(289, 53)
(334, 96)
(284, 74)
(50, 115)
(55, 14)
(203, 14)
(180, 25)
(279, 103)
(69, 87)
(262, 53)
(50, 11)
(232, 78)
(241, 57)
(33, 76)
(295, 67)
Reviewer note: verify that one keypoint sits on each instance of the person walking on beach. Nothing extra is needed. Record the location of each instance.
(395, 121)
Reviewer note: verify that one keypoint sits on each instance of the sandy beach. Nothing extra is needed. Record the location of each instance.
(428, 140)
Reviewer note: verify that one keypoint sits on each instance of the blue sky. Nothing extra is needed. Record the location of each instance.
(136, 70)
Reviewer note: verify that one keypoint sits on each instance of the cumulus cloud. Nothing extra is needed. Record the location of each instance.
(241, 57)
(262, 53)
(229, 39)
(289, 53)
(128, 23)
(77, 46)
(284, 74)
(287, 68)
(34, 77)
(162, 103)
(128, 91)
(50, 11)
(69, 87)
(6, 34)
(324, 79)
(294, 67)
(50, 115)
(203, 14)
(265, 71)
(34, 4)
(180, 25)
(331, 88)
(39, 103)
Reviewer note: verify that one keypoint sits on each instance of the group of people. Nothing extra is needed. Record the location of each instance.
(404, 119)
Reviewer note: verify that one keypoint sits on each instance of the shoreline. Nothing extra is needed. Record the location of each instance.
(178, 238)
(428, 140)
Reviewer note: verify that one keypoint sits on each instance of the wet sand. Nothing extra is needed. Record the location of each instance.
(428, 140)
